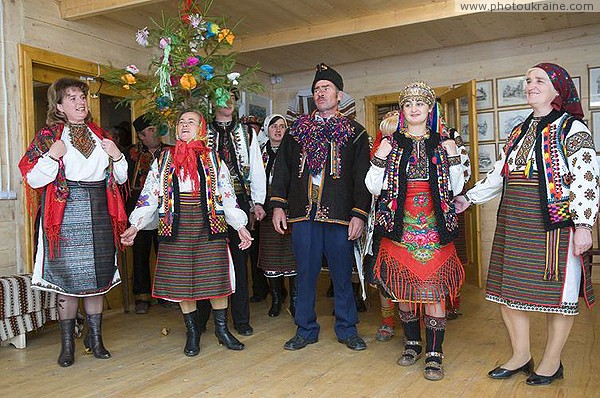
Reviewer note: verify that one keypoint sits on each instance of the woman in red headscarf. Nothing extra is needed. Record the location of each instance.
(548, 178)
(190, 189)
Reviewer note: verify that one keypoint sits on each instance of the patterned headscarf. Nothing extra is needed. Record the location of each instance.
(567, 99)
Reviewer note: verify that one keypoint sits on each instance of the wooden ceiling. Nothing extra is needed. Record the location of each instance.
(286, 36)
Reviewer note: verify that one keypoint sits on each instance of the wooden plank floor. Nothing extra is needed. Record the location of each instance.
(146, 363)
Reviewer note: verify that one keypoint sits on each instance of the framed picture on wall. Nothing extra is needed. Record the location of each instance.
(510, 91)
(595, 127)
(485, 126)
(255, 105)
(507, 120)
(485, 95)
(464, 128)
(577, 82)
(487, 157)
(594, 82)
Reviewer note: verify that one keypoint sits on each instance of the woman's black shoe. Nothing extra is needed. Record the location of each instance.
(501, 373)
(276, 296)
(222, 331)
(539, 380)
(67, 351)
(93, 339)
(192, 342)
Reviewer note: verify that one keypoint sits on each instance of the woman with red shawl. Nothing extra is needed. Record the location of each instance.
(548, 178)
(75, 168)
(190, 189)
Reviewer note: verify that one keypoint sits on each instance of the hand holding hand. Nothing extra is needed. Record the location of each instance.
(58, 149)
(450, 147)
(245, 238)
(461, 204)
(384, 149)
(111, 149)
(129, 235)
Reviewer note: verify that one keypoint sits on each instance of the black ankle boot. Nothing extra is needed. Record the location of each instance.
(276, 298)
(67, 338)
(93, 338)
(293, 294)
(192, 343)
(222, 331)
(203, 307)
(360, 303)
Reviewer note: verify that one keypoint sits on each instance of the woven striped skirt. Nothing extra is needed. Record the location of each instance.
(86, 262)
(275, 255)
(418, 270)
(192, 267)
(531, 269)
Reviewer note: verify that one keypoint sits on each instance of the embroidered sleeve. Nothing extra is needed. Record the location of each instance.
(234, 216)
(258, 179)
(583, 168)
(146, 208)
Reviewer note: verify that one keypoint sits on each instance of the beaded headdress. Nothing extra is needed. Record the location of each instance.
(419, 91)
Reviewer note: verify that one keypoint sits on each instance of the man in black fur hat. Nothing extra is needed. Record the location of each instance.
(319, 180)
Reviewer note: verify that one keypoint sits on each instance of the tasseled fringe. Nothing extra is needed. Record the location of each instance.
(551, 272)
(54, 238)
(118, 228)
(529, 169)
(404, 285)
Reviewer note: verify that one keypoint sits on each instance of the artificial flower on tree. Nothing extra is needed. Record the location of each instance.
(193, 67)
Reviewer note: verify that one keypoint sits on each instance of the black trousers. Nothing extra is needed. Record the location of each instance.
(142, 247)
(260, 286)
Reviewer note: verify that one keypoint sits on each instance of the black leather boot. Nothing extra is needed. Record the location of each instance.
(192, 343)
(276, 298)
(67, 338)
(293, 294)
(204, 308)
(93, 338)
(222, 331)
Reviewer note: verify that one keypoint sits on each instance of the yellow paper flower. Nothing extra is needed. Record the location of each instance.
(126, 86)
(227, 35)
(188, 81)
(128, 78)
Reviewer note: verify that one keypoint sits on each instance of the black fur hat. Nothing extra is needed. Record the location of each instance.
(325, 72)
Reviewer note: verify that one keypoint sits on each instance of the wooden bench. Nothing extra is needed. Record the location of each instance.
(23, 309)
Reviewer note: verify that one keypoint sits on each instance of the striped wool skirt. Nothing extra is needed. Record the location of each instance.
(532, 269)
(192, 267)
(85, 264)
(418, 269)
(275, 253)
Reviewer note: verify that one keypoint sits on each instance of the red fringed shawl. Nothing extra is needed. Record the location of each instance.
(57, 191)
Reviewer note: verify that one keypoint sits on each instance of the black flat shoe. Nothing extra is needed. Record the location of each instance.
(298, 343)
(501, 373)
(539, 380)
(355, 343)
(244, 329)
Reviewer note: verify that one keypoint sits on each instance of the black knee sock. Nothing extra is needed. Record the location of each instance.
(412, 328)
(435, 328)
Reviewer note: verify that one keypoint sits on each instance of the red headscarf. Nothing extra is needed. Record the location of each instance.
(185, 156)
(567, 99)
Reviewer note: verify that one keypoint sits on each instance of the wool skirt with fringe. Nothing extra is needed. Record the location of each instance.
(275, 254)
(532, 269)
(85, 264)
(418, 269)
(192, 267)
